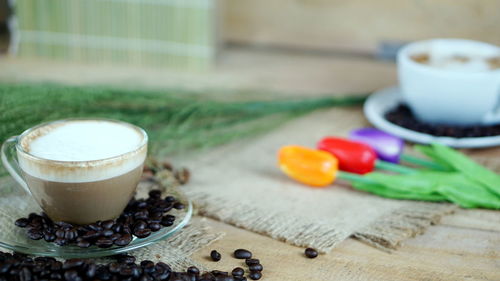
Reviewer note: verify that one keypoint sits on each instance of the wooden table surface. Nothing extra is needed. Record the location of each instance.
(464, 246)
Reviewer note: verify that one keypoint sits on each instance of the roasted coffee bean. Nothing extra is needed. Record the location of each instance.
(117, 228)
(56, 265)
(114, 267)
(252, 261)
(107, 224)
(71, 263)
(169, 199)
(179, 206)
(22, 222)
(115, 236)
(238, 271)
(61, 241)
(219, 273)
(107, 233)
(207, 276)
(91, 270)
(242, 254)
(126, 259)
(256, 275)
(148, 266)
(55, 276)
(70, 234)
(141, 215)
(155, 193)
(255, 267)
(311, 253)
(140, 225)
(71, 275)
(49, 237)
(64, 225)
(215, 255)
(83, 243)
(162, 266)
(154, 226)
(124, 240)
(143, 233)
(34, 234)
(25, 274)
(91, 235)
(126, 271)
(104, 242)
(166, 223)
(95, 227)
(193, 270)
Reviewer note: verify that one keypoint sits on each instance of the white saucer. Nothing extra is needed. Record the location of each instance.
(386, 99)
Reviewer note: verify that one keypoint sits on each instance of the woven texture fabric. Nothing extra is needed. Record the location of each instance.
(240, 184)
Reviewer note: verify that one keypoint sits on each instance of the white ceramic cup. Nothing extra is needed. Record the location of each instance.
(444, 96)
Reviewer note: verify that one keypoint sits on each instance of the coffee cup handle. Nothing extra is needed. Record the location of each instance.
(10, 163)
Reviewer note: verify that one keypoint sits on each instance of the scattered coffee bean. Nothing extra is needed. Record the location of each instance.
(179, 206)
(140, 218)
(193, 270)
(126, 259)
(22, 222)
(238, 271)
(311, 253)
(216, 256)
(255, 267)
(255, 275)
(242, 254)
(252, 261)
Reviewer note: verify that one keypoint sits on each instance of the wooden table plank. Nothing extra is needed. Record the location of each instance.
(465, 246)
(442, 253)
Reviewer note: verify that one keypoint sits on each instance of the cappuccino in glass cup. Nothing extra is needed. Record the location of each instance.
(78, 170)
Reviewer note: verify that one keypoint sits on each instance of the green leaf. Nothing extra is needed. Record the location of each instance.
(467, 193)
(429, 152)
(468, 167)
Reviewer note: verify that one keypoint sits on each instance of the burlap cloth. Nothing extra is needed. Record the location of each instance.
(240, 184)
(175, 250)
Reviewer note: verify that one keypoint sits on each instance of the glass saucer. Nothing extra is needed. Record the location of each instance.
(17, 204)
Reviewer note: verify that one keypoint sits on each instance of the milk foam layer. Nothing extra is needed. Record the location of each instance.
(85, 150)
(458, 57)
(84, 141)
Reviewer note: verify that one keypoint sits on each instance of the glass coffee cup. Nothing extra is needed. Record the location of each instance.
(78, 170)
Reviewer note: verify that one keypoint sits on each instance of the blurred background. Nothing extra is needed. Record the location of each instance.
(299, 46)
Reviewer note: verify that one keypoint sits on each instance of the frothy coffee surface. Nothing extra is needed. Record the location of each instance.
(82, 141)
(461, 59)
(82, 150)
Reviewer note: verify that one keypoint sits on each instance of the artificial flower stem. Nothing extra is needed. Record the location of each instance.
(382, 165)
(422, 162)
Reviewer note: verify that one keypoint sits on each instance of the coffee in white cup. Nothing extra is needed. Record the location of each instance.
(80, 171)
(451, 81)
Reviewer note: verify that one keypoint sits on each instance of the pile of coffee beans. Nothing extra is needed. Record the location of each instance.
(21, 267)
(402, 116)
(140, 218)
